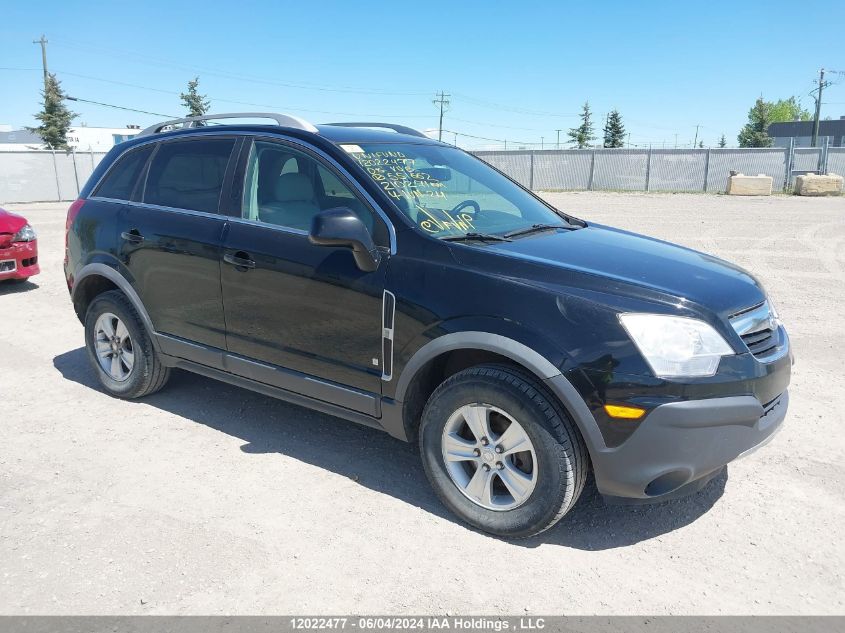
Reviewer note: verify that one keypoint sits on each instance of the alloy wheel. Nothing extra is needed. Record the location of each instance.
(113, 347)
(489, 457)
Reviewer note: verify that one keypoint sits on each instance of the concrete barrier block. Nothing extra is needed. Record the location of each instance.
(742, 185)
(815, 185)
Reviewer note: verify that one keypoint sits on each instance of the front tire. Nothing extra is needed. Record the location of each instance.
(500, 451)
(120, 349)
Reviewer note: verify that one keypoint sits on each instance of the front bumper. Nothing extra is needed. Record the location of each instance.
(19, 261)
(681, 445)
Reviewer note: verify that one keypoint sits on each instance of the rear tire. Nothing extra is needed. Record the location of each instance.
(514, 481)
(120, 349)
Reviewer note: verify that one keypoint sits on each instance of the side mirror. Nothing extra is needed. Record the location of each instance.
(341, 227)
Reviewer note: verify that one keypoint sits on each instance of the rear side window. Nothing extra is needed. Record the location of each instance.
(120, 181)
(188, 174)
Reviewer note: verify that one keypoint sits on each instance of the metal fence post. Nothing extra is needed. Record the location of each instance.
(592, 170)
(648, 170)
(706, 169)
(75, 172)
(823, 157)
(531, 171)
(789, 161)
(56, 174)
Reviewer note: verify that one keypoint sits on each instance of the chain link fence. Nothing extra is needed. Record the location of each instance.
(43, 175)
(659, 169)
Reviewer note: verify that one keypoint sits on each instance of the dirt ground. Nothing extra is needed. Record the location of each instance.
(209, 499)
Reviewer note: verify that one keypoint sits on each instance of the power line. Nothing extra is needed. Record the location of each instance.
(109, 105)
(145, 59)
(518, 110)
(213, 98)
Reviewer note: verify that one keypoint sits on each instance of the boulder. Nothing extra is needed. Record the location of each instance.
(815, 185)
(741, 185)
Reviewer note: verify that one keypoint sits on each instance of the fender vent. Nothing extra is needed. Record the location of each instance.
(387, 318)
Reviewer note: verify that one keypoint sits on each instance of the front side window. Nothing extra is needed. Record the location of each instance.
(188, 174)
(286, 187)
(120, 181)
(447, 192)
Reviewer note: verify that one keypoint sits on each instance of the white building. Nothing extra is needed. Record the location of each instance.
(99, 139)
(81, 138)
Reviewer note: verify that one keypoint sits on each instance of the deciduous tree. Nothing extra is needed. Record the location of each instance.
(789, 110)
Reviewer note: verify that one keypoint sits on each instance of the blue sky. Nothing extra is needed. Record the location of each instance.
(515, 70)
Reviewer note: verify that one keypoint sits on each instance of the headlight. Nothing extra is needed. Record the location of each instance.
(26, 234)
(774, 312)
(674, 346)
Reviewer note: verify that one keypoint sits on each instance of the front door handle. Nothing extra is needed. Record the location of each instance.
(239, 260)
(133, 236)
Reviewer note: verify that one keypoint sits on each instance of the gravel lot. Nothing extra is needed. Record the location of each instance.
(206, 498)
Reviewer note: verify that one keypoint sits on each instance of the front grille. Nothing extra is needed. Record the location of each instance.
(760, 343)
(757, 327)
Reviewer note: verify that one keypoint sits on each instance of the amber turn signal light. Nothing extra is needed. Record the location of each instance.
(623, 412)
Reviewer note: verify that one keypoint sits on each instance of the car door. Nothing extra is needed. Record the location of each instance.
(294, 305)
(172, 239)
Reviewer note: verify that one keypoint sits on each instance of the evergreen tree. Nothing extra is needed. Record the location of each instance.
(196, 103)
(701, 144)
(754, 133)
(583, 134)
(723, 142)
(614, 130)
(55, 118)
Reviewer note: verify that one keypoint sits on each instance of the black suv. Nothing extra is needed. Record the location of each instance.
(369, 272)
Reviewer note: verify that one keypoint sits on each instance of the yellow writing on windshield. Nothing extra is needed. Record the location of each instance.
(461, 222)
(398, 177)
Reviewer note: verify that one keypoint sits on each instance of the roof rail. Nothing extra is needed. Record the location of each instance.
(284, 120)
(401, 129)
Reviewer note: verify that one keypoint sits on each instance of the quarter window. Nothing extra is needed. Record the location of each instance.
(120, 181)
(189, 174)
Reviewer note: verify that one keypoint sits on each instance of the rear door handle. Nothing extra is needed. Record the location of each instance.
(133, 236)
(239, 260)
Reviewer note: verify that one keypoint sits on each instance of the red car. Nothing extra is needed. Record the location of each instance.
(18, 248)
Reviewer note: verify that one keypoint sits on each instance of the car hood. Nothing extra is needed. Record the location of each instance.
(11, 222)
(641, 261)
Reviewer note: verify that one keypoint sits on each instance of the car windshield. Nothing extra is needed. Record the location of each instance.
(449, 193)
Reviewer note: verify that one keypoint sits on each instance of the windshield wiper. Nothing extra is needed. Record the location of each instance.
(476, 237)
(536, 228)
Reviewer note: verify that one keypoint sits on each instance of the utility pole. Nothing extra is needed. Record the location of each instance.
(542, 138)
(557, 143)
(695, 141)
(43, 42)
(822, 85)
(443, 102)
